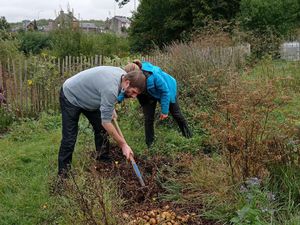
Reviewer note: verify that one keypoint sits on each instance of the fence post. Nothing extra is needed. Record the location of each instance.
(21, 88)
(3, 78)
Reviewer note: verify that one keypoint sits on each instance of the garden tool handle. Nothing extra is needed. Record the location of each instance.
(121, 134)
(133, 163)
(117, 127)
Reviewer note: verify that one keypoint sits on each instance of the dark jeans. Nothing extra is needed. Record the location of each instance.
(70, 118)
(148, 104)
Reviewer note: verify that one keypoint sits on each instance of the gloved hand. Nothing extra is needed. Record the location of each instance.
(163, 116)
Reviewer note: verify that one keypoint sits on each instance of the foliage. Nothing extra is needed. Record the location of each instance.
(246, 127)
(6, 118)
(33, 42)
(209, 183)
(9, 49)
(158, 23)
(76, 43)
(284, 182)
(267, 23)
(93, 200)
(200, 71)
(4, 25)
(4, 29)
(257, 205)
(122, 2)
(279, 16)
(45, 73)
(65, 42)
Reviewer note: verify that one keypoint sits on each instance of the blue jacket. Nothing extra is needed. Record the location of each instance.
(161, 86)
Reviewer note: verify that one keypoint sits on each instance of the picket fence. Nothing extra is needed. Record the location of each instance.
(32, 85)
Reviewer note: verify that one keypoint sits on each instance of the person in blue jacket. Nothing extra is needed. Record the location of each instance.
(160, 87)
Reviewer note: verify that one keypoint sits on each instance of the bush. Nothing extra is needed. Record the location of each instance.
(34, 42)
(257, 206)
(6, 119)
(76, 43)
(246, 128)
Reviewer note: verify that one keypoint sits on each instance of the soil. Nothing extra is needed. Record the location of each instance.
(142, 201)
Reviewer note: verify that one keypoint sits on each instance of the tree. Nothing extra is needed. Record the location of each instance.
(159, 22)
(35, 27)
(268, 22)
(4, 25)
(33, 42)
(122, 2)
(4, 29)
(278, 16)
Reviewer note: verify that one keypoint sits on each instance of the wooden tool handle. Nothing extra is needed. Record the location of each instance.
(117, 127)
(133, 163)
(121, 134)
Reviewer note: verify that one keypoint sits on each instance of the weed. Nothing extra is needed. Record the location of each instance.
(257, 205)
(6, 118)
(246, 127)
(93, 199)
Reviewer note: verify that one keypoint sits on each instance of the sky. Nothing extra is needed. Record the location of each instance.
(18, 10)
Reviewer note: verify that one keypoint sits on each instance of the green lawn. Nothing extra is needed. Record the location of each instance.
(26, 168)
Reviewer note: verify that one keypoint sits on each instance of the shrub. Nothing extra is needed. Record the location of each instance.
(6, 118)
(257, 206)
(91, 199)
(76, 43)
(247, 130)
(34, 42)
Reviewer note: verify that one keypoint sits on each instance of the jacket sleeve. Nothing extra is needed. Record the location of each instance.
(107, 105)
(163, 89)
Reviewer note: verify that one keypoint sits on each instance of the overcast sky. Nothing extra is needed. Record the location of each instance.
(18, 10)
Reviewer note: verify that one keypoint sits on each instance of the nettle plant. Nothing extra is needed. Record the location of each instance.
(246, 128)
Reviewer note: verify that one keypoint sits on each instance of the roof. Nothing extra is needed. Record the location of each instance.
(122, 19)
(88, 25)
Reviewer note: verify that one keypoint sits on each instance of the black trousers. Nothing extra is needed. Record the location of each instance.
(148, 104)
(70, 118)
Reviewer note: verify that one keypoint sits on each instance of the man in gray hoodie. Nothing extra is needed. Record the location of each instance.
(94, 93)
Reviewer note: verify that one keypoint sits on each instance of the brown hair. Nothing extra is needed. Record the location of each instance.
(135, 65)
(137, 79)
(138, 63)
(131, 67)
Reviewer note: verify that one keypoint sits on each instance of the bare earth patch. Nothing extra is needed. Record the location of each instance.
(143, 205)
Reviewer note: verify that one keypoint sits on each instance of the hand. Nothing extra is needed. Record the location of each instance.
(163, 116)
(127, 152)
(114, 115)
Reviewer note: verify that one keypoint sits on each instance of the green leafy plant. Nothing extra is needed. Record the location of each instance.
(257, 205)
(6, 118)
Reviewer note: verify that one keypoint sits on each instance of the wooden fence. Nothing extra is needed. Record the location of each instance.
(32, 85)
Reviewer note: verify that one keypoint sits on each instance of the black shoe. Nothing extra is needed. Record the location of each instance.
(149, 145)
(102, 154)
(104, 159)
(186, 132)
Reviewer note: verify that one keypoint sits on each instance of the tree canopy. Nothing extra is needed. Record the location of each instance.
(158, 22)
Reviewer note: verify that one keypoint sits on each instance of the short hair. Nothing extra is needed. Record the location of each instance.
(137, 79)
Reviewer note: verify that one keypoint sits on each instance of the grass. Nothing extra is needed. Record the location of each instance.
(25, 171)
(28, 161)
